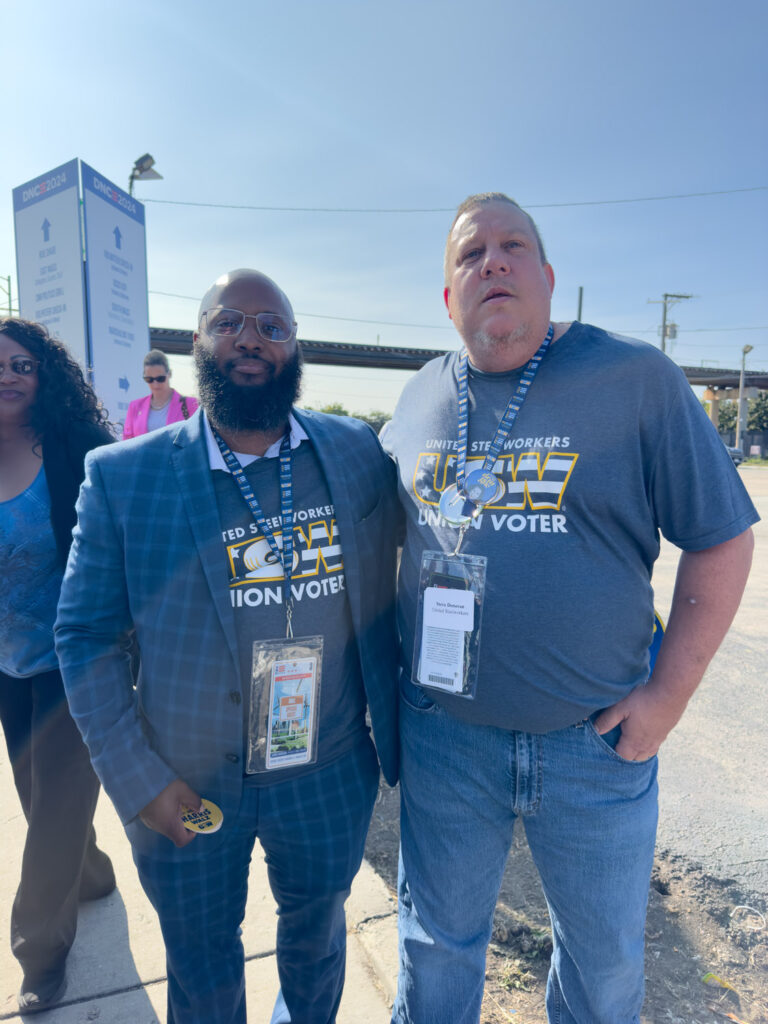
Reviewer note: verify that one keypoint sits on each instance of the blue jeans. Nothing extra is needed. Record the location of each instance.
(590, 820)
(313, 833)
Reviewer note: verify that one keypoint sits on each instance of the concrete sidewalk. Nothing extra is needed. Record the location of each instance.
(116, 969)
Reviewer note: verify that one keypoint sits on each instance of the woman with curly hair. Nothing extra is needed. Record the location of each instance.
(49, 419)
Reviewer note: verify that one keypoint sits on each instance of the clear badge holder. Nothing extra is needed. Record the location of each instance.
(448, 619)
(285, 703)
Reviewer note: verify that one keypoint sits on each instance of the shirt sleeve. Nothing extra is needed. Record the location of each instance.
(698, 497)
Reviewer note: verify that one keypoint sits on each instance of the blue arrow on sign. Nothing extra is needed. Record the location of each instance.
(46, 226)
(123, 383)
(118, 237)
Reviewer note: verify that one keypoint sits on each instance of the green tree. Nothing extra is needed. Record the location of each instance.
(335, 408)
(727, 417)
(376, 418)
(757, 412)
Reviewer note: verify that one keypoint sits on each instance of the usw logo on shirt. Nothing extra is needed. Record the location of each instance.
(532, 480)
(316, 551)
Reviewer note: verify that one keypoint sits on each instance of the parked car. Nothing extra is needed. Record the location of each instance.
(736, 454)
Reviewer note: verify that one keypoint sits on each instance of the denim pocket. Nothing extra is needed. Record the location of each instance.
(607, 743)
(413, 696)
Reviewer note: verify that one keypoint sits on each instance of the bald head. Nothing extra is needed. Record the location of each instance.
(240, 280)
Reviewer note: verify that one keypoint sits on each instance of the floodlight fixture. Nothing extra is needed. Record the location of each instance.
(143, 170)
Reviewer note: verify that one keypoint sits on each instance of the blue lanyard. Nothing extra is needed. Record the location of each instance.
(507, 420)
(284, 557)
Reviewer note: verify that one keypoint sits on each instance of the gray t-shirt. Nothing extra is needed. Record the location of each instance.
(158, 418)
(320, 598)
(610, 447)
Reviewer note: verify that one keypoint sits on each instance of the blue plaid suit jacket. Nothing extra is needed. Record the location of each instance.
(146, 555)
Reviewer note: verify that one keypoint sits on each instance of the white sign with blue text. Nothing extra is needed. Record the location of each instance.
(116, 284)
(49, 256)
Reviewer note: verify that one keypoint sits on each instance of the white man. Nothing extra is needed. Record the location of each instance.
(536, 470)
(251, 549)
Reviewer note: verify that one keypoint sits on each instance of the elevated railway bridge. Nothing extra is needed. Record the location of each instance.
(721, 384)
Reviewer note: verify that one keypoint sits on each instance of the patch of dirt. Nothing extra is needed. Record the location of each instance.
(697, 926)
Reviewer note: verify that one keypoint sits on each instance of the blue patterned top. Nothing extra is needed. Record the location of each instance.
(30, 581)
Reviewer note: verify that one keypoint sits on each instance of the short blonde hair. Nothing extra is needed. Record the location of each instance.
(480, 199)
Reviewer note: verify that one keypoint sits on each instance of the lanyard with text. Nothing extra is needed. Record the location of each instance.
(464, 501)
(446, 650)
(284, 557)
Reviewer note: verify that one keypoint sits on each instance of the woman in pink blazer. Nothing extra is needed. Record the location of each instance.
(162, 405)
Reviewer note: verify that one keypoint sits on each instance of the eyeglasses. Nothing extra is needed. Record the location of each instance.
(228, 323)
(22, 366)
(156, 380)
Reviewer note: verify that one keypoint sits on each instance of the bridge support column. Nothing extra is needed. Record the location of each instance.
(714, 398)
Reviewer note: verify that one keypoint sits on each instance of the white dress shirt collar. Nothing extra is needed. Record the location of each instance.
(216, 460)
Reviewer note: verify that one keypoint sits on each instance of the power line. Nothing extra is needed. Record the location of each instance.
(174, 295)
(325, 316)
(449, 327)
(690, 330)
(714, 330)
(451, 209)
(701, 344)
(383, 323)
(358, 377)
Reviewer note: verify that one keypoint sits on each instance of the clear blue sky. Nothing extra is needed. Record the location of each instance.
(410, 105)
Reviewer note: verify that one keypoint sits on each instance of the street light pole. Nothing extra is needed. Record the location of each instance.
(741, 424)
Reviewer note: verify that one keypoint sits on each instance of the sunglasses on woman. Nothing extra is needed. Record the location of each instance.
(157, 380)
(22, 366)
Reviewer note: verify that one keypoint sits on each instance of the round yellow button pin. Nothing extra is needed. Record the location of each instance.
(207, 821)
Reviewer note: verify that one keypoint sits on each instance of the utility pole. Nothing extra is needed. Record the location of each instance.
(741, 424)
(667, 300)
(581, 299)
(7, 289)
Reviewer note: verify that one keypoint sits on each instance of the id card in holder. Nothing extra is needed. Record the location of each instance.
(448, 617)
(285, 703)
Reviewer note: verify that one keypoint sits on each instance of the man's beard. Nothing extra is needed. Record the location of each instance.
(487, 342)
(251, 407)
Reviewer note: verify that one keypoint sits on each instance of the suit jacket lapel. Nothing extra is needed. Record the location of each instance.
(189, 458)
(332, 462)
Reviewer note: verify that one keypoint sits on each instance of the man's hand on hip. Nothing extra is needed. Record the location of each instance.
(646, 719)
(163, 814)
(708, 589)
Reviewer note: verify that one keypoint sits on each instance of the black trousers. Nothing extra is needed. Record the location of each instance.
(58, 790)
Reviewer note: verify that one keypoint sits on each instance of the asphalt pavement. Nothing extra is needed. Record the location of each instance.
(713, 802)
